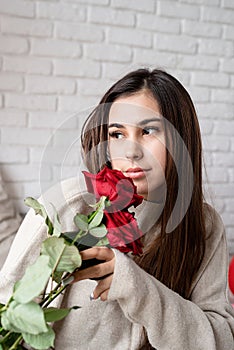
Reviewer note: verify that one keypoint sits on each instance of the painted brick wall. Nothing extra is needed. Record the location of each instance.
(57, 58)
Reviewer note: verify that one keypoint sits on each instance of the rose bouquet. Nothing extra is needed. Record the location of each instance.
(27, 318)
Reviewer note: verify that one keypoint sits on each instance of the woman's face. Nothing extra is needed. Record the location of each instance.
(137, 143)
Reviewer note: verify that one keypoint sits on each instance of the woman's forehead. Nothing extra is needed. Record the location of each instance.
(132, 112)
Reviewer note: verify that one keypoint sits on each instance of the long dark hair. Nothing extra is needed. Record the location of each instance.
(173, 258)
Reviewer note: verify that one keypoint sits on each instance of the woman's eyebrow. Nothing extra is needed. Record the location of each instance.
(116, 125)
(147, 121)
(142, 122)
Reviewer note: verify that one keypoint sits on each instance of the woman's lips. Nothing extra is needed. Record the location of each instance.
(135, 173)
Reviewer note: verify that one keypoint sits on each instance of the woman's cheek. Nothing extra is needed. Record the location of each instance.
(116, 155)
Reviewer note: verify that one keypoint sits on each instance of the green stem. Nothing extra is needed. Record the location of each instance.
(49, 295)
(92, 216)
(18, 340)
(55, 295)
(5, 337)
(6, 306)
(58, 259)
(44, 291)
(79, 235)
(3, 309)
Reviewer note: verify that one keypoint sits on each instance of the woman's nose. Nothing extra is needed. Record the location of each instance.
(133, 150)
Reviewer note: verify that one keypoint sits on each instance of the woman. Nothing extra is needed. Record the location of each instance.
(173, 296)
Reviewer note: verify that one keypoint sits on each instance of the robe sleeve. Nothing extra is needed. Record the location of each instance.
(24, 251)
(172, 322)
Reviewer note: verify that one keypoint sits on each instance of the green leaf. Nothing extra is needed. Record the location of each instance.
(70, 260)
(69, 236)
(34, 280)
(57, 276)
(63, 258)
(96, 220)
(103, 242)
(81, 221)
(56, 223)
(103, 203)
(2, 308)
(107, 203)
(53, 314)
(6, 323)
(38, 207)
(49, 225)
(41, 341)
(53, 247)
(27, 318)
(99, 231)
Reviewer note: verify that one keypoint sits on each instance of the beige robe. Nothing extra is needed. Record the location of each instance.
(136, 299)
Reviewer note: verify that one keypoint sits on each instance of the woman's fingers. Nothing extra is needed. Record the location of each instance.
(103, 269)
(102, 288)
(100, 253)
(104, 295)
(96, 271)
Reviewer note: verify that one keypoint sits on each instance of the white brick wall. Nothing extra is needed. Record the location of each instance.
(57, 58)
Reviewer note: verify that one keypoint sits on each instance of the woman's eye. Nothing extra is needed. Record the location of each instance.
(116, 135)
(150, 130)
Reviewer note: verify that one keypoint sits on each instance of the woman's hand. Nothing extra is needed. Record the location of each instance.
(100, 270)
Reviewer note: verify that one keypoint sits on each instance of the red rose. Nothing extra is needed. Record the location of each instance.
(123, 231)
(120, 189)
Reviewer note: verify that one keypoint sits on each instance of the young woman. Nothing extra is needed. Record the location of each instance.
(174, 295)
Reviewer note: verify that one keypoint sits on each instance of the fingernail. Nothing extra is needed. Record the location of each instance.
(68, 280)
(91, 297)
